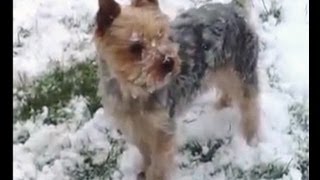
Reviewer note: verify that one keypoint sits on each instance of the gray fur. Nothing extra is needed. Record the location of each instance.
(210, 37)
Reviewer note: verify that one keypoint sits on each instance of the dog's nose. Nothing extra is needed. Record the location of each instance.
(167, 64)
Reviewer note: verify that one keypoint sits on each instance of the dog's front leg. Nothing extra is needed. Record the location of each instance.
(162, 156)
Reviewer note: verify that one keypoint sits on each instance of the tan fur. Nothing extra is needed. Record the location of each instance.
(147, 126)
(223, 102)
(151, 132)
(152, 28)
(233, 89)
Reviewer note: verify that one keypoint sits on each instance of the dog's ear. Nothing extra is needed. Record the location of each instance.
(142, 3)
(108, 11)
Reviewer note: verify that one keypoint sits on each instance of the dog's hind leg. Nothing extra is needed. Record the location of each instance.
(244, 94)
(250, 112)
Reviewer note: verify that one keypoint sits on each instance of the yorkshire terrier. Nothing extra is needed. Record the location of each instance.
(151, 70)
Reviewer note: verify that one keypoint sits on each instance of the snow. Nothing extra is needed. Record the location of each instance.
(51, 151)
(41, 33)
(61, 144)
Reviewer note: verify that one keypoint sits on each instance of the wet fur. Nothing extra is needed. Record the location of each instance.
(217, 48)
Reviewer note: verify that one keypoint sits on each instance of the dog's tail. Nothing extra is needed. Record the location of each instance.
(245, 8)
(243, 5)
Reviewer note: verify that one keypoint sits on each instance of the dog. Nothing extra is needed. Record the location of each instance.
(151, 69)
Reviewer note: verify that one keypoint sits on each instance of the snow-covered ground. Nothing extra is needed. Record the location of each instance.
(84, 147)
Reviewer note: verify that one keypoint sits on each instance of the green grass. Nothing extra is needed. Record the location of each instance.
(58, 91)
(263, 171)
(193, 150)
(104, 170)
(55, 89)
(299, 112)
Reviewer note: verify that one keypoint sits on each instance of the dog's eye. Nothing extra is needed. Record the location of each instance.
(136, 47)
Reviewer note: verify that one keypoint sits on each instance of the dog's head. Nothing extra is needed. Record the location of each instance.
(134, 42)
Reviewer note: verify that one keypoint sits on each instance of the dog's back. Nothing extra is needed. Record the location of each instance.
(216, 35)
(211, 38)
